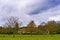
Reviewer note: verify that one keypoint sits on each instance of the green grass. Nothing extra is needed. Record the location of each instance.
(29, 37)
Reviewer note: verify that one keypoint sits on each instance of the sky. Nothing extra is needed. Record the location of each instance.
(27, 10)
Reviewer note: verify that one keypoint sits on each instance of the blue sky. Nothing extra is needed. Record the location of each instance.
(27, 10)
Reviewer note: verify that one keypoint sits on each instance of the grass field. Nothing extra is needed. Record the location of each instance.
(29, 37)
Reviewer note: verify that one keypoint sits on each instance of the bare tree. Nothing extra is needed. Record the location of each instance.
(13, 24)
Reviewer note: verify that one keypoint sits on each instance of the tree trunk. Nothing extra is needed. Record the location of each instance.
(48, 32)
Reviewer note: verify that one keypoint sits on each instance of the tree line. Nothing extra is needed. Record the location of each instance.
(13, 26)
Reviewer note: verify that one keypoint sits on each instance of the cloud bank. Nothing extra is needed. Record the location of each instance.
(27, 10)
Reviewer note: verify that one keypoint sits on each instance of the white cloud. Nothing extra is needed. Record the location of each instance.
(50, 14)
(18, 8)
(56, 18)
(21, 8)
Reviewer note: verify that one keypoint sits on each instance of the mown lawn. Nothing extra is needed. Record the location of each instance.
(29, 37)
